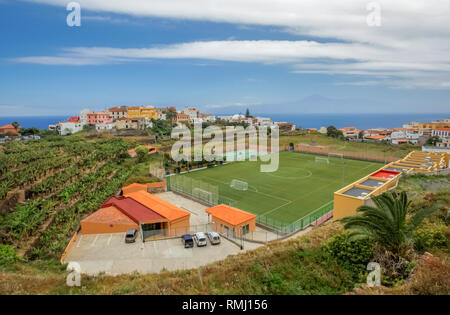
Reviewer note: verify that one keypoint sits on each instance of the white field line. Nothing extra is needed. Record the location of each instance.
(274, 209)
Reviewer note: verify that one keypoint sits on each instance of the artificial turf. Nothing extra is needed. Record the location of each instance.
(298, 188)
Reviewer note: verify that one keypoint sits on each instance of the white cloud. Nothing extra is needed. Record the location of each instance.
(411, 47)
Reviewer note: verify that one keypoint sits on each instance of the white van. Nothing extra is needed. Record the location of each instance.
(200, 239)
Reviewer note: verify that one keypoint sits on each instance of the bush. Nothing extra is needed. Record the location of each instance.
(7, 255)
(431, 277)
(352, 255)
(430, 236)
(142, 153)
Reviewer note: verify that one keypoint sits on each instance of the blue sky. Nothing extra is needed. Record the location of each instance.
(223, 56)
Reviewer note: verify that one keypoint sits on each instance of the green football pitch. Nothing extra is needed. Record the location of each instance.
(300, 186)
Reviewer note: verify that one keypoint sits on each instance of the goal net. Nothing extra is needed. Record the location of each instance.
(204, 195)
(336, 155)
(319, 159)
(239, 185)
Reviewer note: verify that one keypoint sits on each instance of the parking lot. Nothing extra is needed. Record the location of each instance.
(110, 254)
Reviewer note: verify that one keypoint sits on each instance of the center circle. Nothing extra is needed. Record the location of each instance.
(291, 173)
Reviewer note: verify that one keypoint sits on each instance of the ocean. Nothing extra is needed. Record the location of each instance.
(40, 122)
(360, 121)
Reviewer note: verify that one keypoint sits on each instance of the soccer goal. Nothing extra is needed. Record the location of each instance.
(204, 195)
(336, 155)
(239, 185)
(324, 160)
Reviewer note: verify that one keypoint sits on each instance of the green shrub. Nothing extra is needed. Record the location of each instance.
(430, 236)
(142, 153)
(7, 255)
(352, 255)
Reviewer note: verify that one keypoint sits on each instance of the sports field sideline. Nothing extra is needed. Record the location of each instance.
(300, 187)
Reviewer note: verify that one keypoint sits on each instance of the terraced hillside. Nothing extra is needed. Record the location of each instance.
(48, 186)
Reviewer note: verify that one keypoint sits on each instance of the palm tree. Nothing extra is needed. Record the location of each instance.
(386, 223)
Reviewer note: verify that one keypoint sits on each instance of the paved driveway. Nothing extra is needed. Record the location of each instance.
(108, 253)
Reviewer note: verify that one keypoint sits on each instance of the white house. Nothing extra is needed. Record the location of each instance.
(264, 121)
(442, 133)
(83, 116)
(410, 135)
(105, 126)
(65, 128)
(192, 112)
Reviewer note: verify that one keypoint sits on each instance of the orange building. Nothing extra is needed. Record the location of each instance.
(182, 117)
(139, 210)
(8, 130)
(178, 220)
(107, 220)
(232, 221)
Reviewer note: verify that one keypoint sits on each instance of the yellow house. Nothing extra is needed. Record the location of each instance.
(149, 112)
(142, 112)
(133, 112)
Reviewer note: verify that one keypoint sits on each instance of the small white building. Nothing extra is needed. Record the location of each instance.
(410, 135)
(83, 116)
(225, 118)
(264, 121)
(104, 126)
(192, 112)
(442, 133)
(65, 128)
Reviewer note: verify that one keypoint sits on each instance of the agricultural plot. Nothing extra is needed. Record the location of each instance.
(301, 186)
(62, 179)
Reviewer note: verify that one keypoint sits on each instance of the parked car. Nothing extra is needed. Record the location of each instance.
(200, 239)
(187, 240)
(130, 236)
(214, 238)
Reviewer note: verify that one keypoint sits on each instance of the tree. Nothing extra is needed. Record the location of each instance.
(247, 113)
(29, 131)
(386, 223)
(15, 125)
(142, 153)
(361, 135)
(433, 140)
(333, 132)
(170, 114)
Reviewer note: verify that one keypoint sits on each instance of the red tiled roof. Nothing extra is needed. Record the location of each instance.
(7, 127)
(110, 215)
(135, 210)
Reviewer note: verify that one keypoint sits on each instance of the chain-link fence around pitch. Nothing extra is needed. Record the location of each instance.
(196, 189)
(288, 228)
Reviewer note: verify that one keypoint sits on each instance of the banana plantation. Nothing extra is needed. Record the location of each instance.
(46, 187)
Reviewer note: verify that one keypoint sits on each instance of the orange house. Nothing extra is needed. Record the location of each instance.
(8, 129)
(231, 221)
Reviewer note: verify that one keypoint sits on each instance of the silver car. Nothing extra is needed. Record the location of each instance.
(214, 238)
(200, 239)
